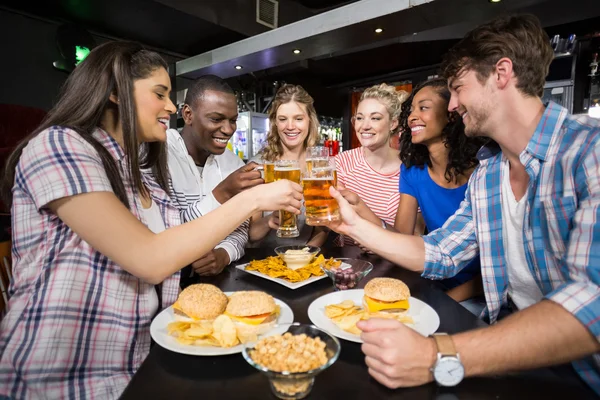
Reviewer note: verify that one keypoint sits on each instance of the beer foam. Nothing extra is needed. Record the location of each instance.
(287, 169)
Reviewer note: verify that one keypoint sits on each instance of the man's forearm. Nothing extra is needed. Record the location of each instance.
(405, 250)
(541, 335)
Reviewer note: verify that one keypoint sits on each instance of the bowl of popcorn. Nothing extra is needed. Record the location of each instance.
(292, 357)
(349, 273)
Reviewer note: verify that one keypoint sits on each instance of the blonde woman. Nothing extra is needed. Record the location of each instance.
(372, 171)
(294, 127)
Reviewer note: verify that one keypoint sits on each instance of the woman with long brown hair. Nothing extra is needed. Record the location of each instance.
(293, 127)
(96, 250)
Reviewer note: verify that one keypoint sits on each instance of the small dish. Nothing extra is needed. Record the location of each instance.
(299, 258)
(296, 385)
(349, 273)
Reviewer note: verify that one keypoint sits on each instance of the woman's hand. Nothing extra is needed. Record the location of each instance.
(281, 195)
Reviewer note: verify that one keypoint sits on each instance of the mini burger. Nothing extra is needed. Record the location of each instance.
(386, 295)
(253, 313)
(200, 302)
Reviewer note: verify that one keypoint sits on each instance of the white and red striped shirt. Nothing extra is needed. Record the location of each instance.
(379, 192)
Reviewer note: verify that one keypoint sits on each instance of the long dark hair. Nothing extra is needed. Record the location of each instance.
(463, 149)
(111, 68)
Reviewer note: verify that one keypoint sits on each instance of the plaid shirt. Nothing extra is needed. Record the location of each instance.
(78, 325)
(561, 230)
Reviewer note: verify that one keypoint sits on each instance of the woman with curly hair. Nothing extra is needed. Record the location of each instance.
(437, 161)
(293, 127)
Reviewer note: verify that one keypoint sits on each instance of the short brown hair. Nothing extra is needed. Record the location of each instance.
(520, 38)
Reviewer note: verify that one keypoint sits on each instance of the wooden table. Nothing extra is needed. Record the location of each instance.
(168, 375)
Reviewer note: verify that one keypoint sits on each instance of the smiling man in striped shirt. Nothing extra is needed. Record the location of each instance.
(204, 174)
(531, 212)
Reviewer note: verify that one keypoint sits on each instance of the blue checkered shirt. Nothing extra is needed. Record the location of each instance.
(561, 228)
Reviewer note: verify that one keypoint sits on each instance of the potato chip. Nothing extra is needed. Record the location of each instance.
(224, 331)
(346, 304)
(349, 321)
(198, 331)
(346, 315)
(177, 327)
(209, 341)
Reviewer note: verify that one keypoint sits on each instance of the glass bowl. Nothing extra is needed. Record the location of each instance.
(349, 273)
(295, 385)
(295, 261)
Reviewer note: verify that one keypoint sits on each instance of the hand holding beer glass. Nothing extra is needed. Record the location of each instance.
(288, 223)
(321, 208)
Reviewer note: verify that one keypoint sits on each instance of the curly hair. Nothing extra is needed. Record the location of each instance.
(273, 150)
(390, 97)
(463, 149)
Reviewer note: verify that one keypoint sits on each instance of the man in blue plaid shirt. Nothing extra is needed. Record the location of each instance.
(531, 212)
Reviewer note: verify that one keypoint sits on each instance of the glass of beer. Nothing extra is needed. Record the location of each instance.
(269, 171)
(321, 208)
(288, 223)
(316, 157)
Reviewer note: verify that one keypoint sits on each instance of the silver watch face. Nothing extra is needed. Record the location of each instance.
(448, 371)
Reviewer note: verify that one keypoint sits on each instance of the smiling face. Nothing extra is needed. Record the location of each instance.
(373, 124)
(428, 116)
(473, 101)
(153, 105)
(292, 124)
(213, 121)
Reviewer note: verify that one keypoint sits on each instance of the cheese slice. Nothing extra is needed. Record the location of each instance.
(374, 305)
(253, 320)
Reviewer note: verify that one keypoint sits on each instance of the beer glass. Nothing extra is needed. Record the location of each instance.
(316, 157)
(269, 171)
(288, 223)
(321, 208)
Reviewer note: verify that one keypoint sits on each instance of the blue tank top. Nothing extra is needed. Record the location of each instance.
(437, 205)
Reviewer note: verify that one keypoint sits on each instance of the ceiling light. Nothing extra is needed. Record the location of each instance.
(378, 30)
(297, 51)
(495, 1)
(238, 67)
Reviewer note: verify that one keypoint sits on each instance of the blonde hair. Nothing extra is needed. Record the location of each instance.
(390, 97)
(273, 149)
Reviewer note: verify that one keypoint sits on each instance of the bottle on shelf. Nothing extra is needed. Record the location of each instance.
(593, 98)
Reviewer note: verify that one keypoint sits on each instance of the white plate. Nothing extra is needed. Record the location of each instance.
(427, 321)
(158, 330)
(283, 282)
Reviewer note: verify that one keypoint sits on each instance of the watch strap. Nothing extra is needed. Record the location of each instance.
(445, 344)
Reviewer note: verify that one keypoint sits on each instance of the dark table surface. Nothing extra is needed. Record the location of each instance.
(168, 375)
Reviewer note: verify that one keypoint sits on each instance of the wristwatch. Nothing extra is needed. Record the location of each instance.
(448, 369)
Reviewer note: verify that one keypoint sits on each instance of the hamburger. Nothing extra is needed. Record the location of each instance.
(253, 313)
(386, 295)
(200, 302)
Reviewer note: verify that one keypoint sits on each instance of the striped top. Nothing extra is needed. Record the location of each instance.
(561, 226)
(378, 191)
(78, 325)
(191, 190)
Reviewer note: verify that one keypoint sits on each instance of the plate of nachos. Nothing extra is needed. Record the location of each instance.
(275, 269)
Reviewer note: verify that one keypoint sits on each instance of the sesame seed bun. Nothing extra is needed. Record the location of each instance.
(249, 303)
(202, 301)
(387, 289)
